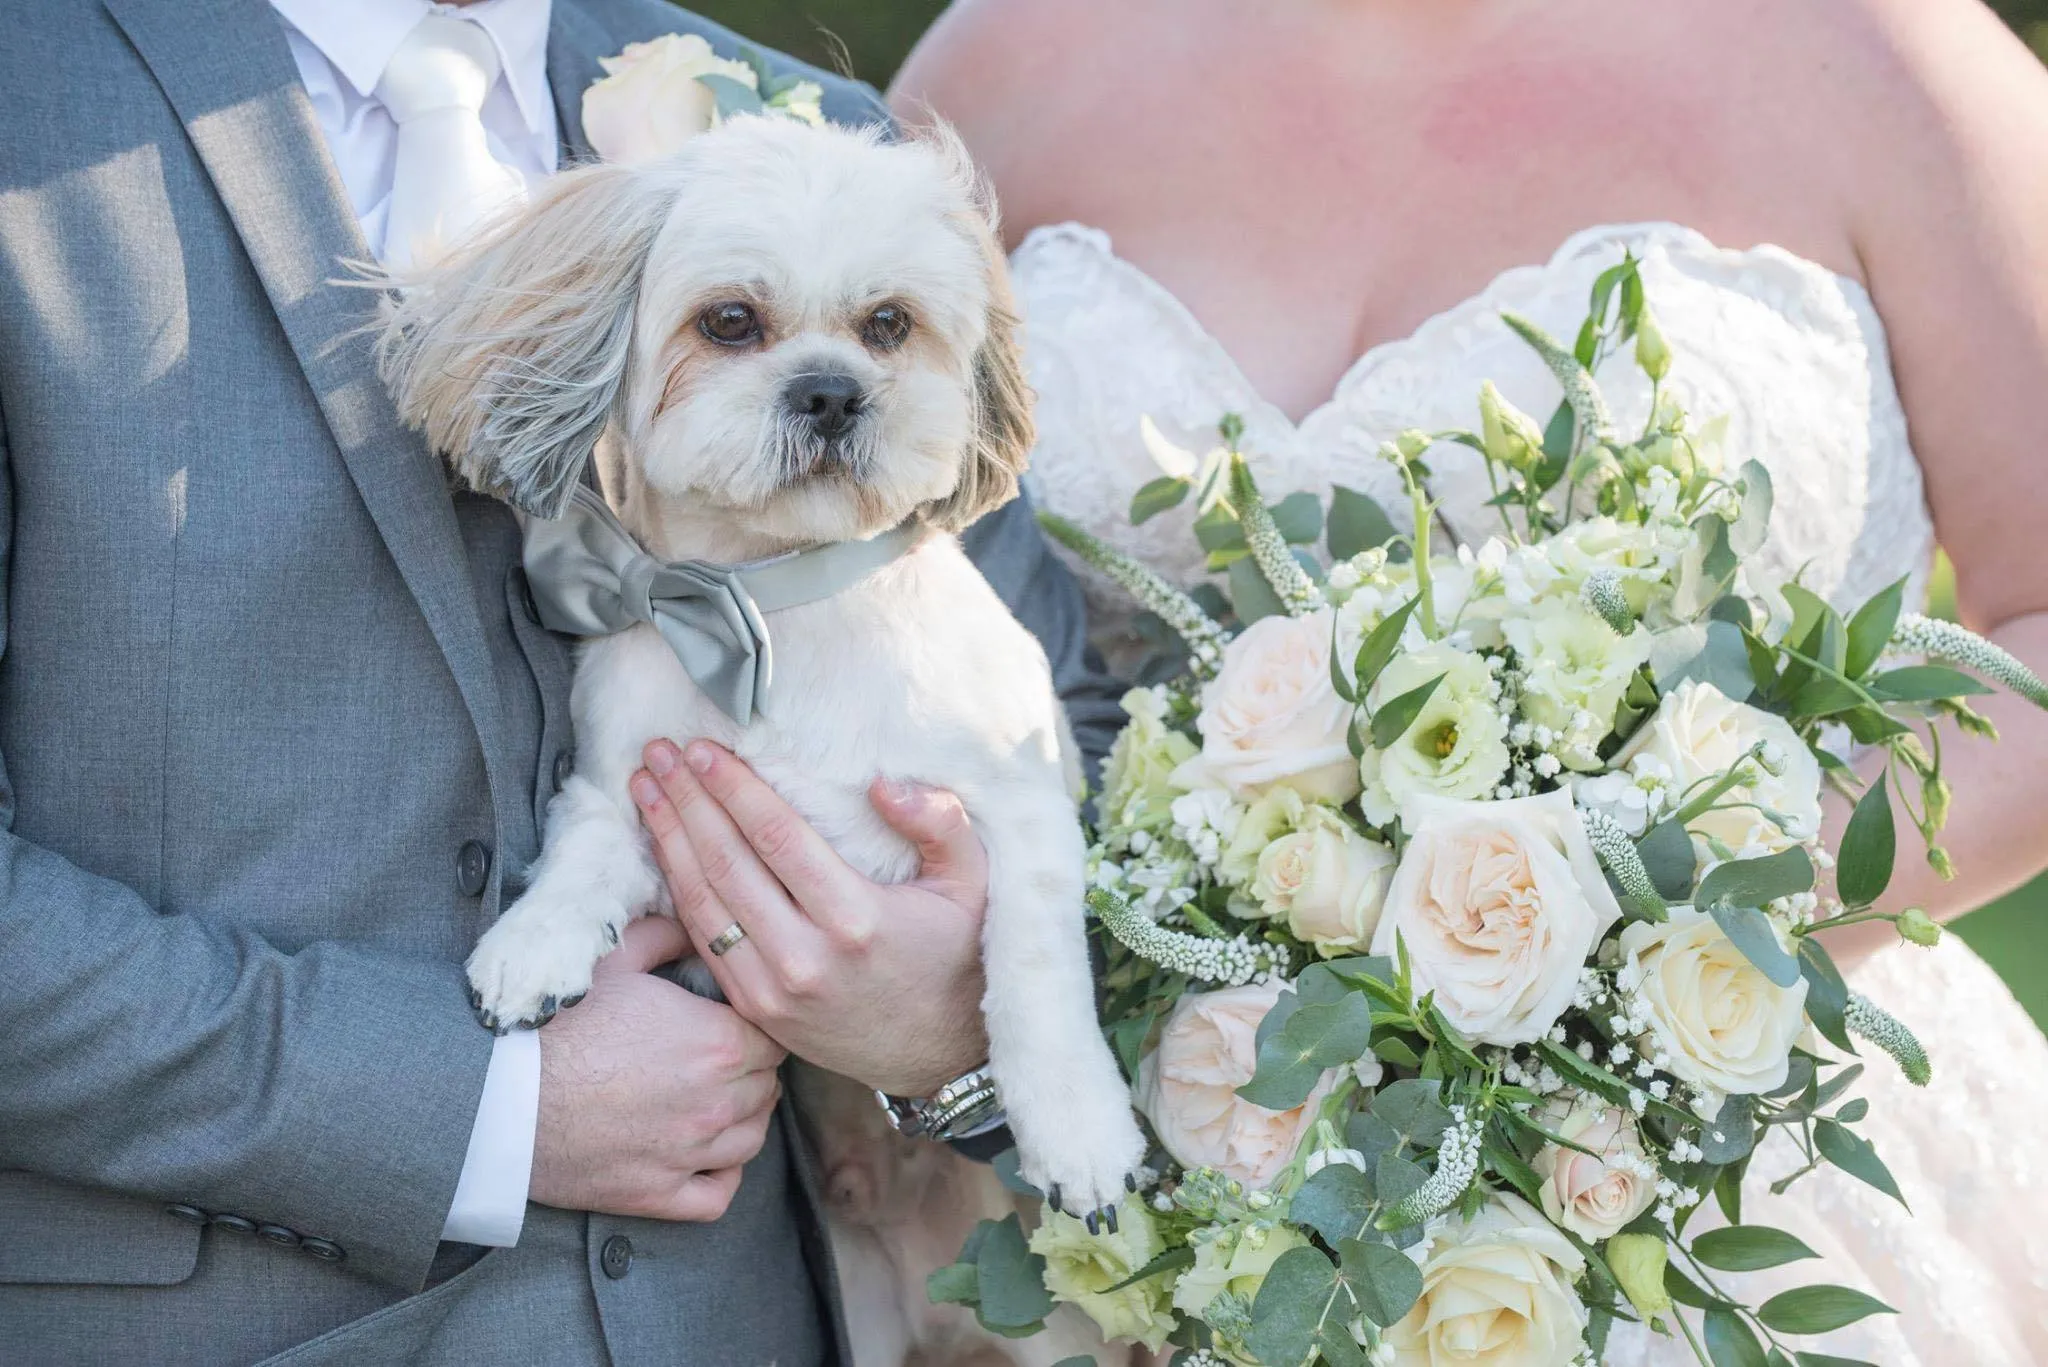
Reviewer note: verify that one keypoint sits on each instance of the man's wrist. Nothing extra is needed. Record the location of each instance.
(966, 1106)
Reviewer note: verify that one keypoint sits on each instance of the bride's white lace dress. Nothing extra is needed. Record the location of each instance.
(1795, 356)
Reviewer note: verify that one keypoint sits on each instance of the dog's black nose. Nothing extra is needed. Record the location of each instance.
(828, 399)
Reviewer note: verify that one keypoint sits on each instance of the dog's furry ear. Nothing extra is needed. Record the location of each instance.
(510, 354)
(1003, 429)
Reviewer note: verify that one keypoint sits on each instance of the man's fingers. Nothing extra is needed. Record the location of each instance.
(797, 855)
(740, 1144)
(732, 882)
(646, 944)
(705, 1195)
(935, 821)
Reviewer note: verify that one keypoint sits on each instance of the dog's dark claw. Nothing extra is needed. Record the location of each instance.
(1109, 1217)
(548, 1007)
(1131, 1183)
(1052, 1198)
(612, 933)
(1094, 1222)
(568, 1002)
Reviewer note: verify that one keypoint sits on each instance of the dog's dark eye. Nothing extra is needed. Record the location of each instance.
(886, 327)
(729, 324)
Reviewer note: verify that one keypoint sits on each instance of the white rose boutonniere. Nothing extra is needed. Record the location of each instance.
(657, 95)
(1499, 905)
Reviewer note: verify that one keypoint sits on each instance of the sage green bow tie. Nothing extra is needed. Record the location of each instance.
(590, 578)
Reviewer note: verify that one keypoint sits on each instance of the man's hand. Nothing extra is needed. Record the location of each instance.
(650, 1097)
(880, 983)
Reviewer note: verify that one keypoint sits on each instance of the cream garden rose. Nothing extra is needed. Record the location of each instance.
(1717, 1020)
(1326, 881)
(1496, 1292)
(650, 101)
(1187, 1087)
(1699, 733)
(1271, 716)
(1594, 1194)
(1084, 1270)
(1499, 905)
(1457, 745)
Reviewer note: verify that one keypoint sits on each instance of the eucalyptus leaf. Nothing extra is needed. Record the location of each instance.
(1396, 715)
(1300, 518)
(1753, 524)
(1250, 595)
(1385, 1282)
(1756, 882)
(1668, 856)
(1394, 1177)
(1318, 1036)
(733, 97)
(1412, 1108)
(1711, 652)
(1356, 523)
(1819, 1309)
(1339, 1203)
(1371, 1135)
(954, 1284)
(1757, 938)
(1829, 1360)
(1300, 1294)
(1746, 1248)
(1735, 1123)
(1827, 996)
(1863, 865)
(1012, 1278)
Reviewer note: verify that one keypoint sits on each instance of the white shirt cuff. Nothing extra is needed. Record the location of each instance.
(490, 1195)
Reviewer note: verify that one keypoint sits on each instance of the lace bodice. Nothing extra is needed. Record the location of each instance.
(1793, 354)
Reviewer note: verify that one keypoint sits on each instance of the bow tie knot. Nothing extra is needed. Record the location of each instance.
(590, 578)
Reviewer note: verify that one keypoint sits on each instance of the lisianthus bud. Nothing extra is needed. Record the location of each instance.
(1637, 1261)
(1412, 443)
(1936, 794)
(1917, 926)
(1653, 353)
(1938, 860)
(1511, 436)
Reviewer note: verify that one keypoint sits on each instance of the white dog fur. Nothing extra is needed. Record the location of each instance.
(584, 317)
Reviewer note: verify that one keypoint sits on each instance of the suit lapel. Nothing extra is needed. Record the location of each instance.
(575, 42)
(228, 73)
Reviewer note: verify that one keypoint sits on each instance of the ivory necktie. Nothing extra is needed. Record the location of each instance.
(444, 180)
(590, 578)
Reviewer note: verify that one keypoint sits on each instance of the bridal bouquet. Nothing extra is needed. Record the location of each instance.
(1464, 913)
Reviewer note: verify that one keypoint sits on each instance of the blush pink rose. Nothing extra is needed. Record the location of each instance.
(1187, 1088)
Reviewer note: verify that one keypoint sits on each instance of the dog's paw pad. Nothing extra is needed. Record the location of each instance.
(528, 968)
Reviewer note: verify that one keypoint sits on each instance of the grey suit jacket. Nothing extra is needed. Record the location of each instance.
(278, 731)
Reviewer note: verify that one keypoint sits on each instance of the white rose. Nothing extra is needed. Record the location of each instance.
(1187, 1087)
(1496, 1292)
(1594, 1194)
(1499, 905)
(650, 101)
(1457, 745)
(1326, 881)
(1271, 715)
(1573, 663)
(1698, 733)
(1718, 1020)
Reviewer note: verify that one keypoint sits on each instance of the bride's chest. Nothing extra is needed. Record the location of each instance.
(1786, 357)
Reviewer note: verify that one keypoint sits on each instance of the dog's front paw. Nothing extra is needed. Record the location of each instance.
(1086, 1162)
(534, 962)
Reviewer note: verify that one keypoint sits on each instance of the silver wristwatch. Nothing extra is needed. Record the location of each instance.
(966, 1106)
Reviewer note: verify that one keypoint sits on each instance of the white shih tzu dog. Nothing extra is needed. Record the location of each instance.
(783, 338)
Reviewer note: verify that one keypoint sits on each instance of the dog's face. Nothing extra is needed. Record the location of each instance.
(801, 333)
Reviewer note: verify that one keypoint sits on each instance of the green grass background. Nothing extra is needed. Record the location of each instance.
(869, 37)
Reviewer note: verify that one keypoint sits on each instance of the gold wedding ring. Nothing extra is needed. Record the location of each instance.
(726, 939)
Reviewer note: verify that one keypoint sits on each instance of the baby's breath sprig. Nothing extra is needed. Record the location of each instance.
(1602, 593)
(1270, 552)
(1232, 963)
(1588, 405)
(1917, 635)
(1867, 1020)
(1205, 639)
(1618, 855)
(1457, 1163)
